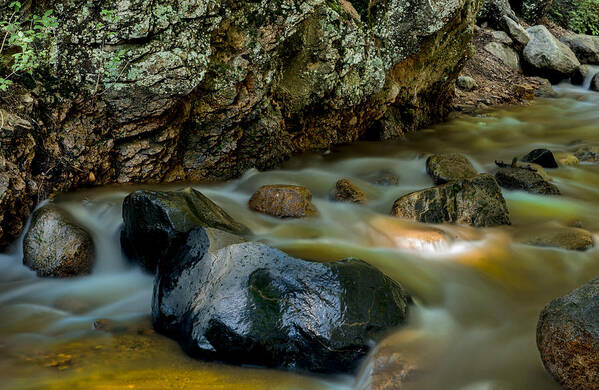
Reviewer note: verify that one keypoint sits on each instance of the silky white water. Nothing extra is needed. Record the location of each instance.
(477, 294)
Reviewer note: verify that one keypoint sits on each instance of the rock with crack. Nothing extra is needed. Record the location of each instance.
(252, 304)
(525, 179)
(477, 202)
(156, 222)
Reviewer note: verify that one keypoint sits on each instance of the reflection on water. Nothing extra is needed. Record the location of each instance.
(478, 292)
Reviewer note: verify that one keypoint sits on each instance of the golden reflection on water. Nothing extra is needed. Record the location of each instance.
(478, 292)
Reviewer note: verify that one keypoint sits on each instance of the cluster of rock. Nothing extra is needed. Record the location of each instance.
(535, 50)
(205, 90)
(224, 298)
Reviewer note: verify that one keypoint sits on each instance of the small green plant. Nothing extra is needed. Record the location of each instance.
(580, 16)
(112, 67)
(24, 34)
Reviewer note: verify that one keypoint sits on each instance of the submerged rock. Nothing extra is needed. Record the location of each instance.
(383, 177)
(346, 191)
(547, 56)
(586, 47)
(477, 201)
(570, 238)
(568, 338)
(56, 246)
(283, 201)
(588, 154)
(445, 167)
(566, 159)
(525, 179)
(155, 222)
(249, 303)
(542, 157)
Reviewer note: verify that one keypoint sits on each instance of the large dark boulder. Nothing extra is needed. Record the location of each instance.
(155, 222)
(56, 246)
(526, 179)
(251, 304)
(568, 338)
(477, 201)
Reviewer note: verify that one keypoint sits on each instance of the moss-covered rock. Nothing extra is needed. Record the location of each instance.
(204, 90)
(283, 201)
(56, 246)
(477, 202)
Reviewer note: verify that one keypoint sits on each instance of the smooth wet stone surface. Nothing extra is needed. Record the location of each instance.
(449, 166)
(568, 338)
(155, 222)
(543, 157)
(526, 180)
(565, 159)
(253, 304)
(477, 201)
(283, 201)
(570, 238)
(346, 191)
(56, 246)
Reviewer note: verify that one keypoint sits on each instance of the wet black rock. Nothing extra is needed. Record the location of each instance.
(477, 202)
(155, 222)
(525, 179)
(580, 75)
(56, 246)
(568, 338)
(543, 157)
(595, 83)
(251, 304)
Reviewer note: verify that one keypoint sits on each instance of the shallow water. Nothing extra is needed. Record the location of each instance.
(477, 294)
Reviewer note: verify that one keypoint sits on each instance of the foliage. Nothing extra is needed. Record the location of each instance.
(112, 65)
(580, 16)
(24, 34)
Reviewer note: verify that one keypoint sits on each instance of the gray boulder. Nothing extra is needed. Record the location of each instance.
(586, 47)
(547, 56)
(56, 246)
(525, 179)
(252, 304)
(568, 338)
(516, 31)
(156, 222)
(445, 167)
(477, 202)
(506, 54)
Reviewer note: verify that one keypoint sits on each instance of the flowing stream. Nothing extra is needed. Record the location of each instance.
(478, 294)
